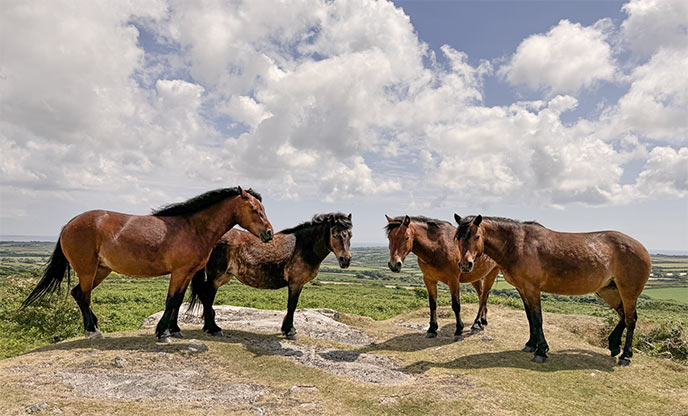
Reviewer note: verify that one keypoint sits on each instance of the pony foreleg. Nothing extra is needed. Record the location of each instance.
(541, 347)
(486, 284)
(431, 285)
(477, 323)
(162, 331)
(175, 331)
(532, 342)
(175, 296)
(288, 323)
(454, 288)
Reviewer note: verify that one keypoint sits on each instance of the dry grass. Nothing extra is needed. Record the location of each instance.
(484, 374)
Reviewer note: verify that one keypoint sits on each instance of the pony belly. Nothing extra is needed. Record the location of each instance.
(263, 279)
(575, 286)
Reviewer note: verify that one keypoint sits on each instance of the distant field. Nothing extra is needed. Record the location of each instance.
(679, 294)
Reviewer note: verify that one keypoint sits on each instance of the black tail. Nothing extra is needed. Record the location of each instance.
(199, 280)
(54, 273)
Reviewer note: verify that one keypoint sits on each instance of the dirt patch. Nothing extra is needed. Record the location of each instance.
(181, 386)
(370, 368)
(313, 323)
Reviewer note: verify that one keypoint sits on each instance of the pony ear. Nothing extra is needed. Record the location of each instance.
(457, 218)
(243, 193)
(478, 220)
(349, 217)
(388, 219)
(407, 221)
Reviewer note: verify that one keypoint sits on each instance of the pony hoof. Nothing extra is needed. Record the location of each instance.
(165, 340)
(528, 348)
(615, 352)
(458, 338)
(177, 334)
(624, 362)
(291, 337)
(94, 335)
(538, 359)
(430, 334)
(476, 330)
(217, 333)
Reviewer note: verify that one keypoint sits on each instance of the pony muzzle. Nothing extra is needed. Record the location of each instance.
(466, 267)
(266, 235)
(344, 261)
(395, 267)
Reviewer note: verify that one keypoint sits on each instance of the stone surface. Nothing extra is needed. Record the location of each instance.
(313, 323)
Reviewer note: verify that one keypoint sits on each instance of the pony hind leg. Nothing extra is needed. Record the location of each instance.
(82, 294)
(203, 289)
(630, 317)
(611, 295)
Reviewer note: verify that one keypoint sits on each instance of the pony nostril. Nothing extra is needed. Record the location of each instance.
(398, 265)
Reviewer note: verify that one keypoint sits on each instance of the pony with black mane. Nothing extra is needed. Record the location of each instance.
(535, 259)
(291, 259)
(175, 239)
(432, 242)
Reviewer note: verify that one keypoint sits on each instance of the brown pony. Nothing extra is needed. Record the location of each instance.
(536, 259)
(292, 259)
(176, 239)
(432, 243)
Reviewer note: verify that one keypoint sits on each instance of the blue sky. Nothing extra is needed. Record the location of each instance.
(569, 112)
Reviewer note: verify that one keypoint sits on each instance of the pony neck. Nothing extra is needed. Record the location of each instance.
(314, 242)
(497, 239)
(214, 221)
(425, 249)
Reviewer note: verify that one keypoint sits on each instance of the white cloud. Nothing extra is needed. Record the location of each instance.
(566, 59)
(656, 104)
(341, 181)
(653, 24)
(246, 110)
(665, 173)
(524, 152)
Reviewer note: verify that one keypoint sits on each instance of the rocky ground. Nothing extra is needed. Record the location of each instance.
(340, 365)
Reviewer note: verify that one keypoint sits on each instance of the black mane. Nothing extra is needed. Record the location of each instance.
(201, 202)
(333, 219)
(466, 221)
(396, 222)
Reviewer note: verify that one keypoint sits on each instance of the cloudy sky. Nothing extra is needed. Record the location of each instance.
(573, 113)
